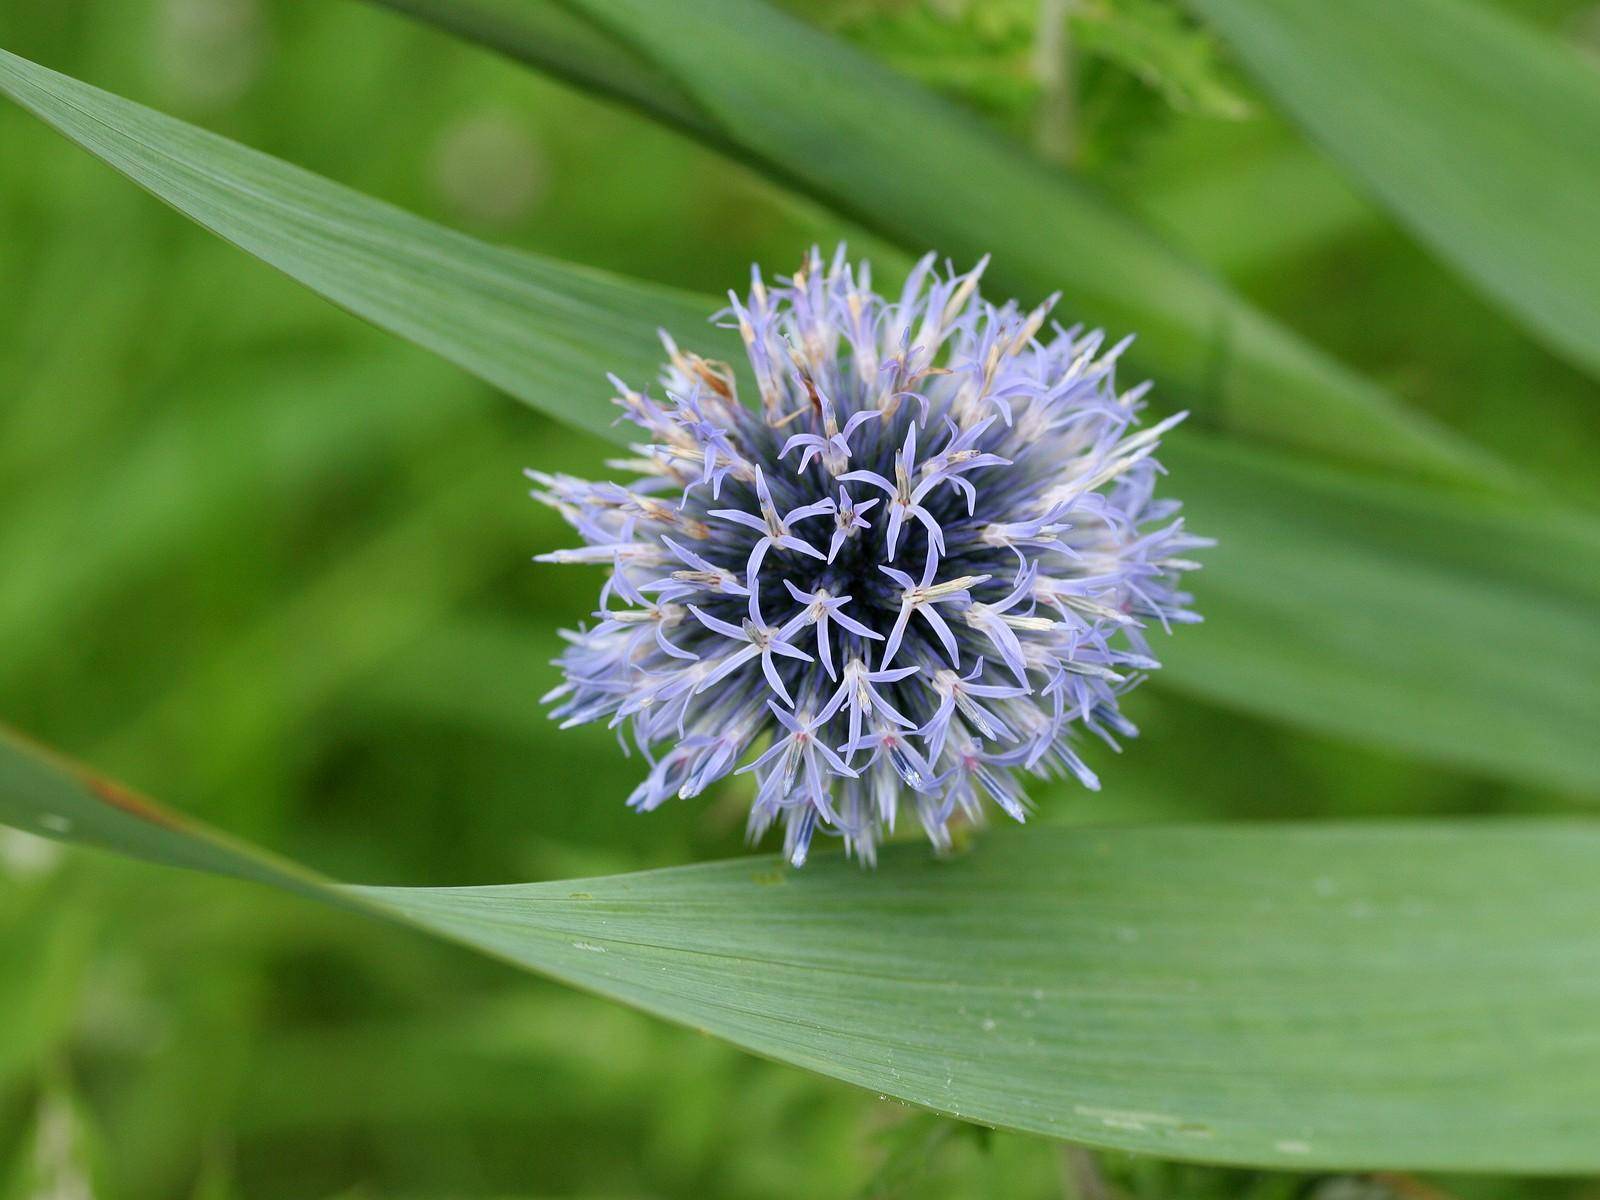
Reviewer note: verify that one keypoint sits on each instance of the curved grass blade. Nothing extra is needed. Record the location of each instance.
(44, 793)
(566, 45)
(1431, 664)
(1479, 134)
(1417, 996)
(533, 326)
(823, 118)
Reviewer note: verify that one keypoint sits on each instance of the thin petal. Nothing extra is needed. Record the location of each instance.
(717, 625)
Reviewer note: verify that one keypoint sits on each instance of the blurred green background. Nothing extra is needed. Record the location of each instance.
(273, 566)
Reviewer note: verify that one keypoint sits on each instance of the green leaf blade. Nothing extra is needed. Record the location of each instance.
(1316, 996)
(567, 45)
(49, 795)
(1454, 629)
(818, 116)
(535, 327)
(1355, 996)
(1480, 135)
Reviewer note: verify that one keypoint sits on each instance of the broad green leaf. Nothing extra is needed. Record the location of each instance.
(1336, 602)
(1312, 996)
(524, 323)
(822, 117)
(1479, 134)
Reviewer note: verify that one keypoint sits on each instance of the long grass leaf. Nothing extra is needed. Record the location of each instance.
(821, 117)
(1310, 996)
(1480, 134)
(524, 323)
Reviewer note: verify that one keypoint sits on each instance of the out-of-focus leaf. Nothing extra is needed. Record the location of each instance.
(1149, 39)
(570, 47)
(297, 654)
(1293, 634)
(820, 116)
(1480, 134)
(192, 470)
(1203, 209)
(45, 794)
(1316, 996)
(993, 53)
(980, 53)
(61, 1159)
(44, 956)
(1457, 629)
(524, 323)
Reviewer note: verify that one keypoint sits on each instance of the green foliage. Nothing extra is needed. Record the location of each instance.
(1482, 136)
(1090, 985)
(1308, 628)
(60, 1151)
(263, 559)
(981, 53)
(866, 141)
(519, 321)
(989, 54)
(1150, 40)
(1381, 612)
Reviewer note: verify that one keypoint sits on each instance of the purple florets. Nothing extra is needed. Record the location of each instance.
(921, 565)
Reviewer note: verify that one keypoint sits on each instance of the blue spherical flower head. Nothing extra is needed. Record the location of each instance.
(918, 566)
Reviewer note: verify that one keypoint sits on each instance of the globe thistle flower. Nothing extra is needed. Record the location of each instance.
(921, 564)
